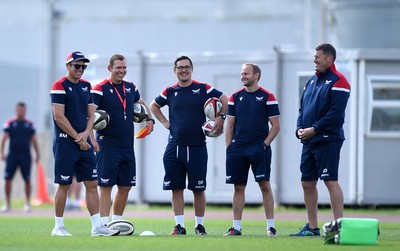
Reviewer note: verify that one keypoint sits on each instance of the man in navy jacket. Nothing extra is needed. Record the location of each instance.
(320, 129)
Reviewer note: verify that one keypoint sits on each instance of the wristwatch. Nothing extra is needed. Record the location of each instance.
(223, 115)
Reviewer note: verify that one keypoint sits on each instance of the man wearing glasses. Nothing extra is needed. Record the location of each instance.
(73, 115)
(186, 152)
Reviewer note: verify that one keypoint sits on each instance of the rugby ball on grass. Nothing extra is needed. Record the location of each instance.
(208, 129)
(101, 120)
(139, 113)
(212, 108)
(125, 227)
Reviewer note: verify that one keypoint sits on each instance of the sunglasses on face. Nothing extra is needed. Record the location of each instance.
(78, 66)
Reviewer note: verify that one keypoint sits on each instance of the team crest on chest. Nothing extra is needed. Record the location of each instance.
(111, 90)
(175, 94)
(259, 98)
(85, 89)
(128, 90)
(197, 91)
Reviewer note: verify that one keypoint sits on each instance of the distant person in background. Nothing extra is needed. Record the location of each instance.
(248, 139)
(116, 163)
(74, 196)
(73, 116)
(21, 133)
(320, 129)
(186, 153)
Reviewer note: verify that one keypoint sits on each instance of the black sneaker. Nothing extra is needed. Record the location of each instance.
(200, 230)
(179, 230)
(272, 232)
(233, 231)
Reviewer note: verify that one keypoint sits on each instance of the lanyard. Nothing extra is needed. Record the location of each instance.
(122, 100)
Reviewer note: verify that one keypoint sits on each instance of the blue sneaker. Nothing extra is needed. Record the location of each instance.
(307, 231)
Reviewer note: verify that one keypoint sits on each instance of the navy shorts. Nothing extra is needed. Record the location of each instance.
(240, 158)
(15, 160)
(182, 161)
(70, 161)
(320, 160)
(116, 166)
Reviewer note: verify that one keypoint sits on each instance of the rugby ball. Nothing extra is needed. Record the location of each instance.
(208, 129)
(212, 107)
(101, 120)
(125, 227)
(139, 113)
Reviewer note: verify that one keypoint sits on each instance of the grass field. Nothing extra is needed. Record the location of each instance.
(33, 233)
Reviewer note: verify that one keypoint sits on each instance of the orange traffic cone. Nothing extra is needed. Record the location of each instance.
(41, 190)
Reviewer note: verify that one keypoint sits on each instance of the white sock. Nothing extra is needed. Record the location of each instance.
(237, 224)
(116, 217)
(180, 219)
(105, 220)
(270, 223)
(199, 220)
(95, 219)
(59, 221)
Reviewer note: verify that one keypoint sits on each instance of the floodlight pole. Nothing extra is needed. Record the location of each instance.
(55, 16)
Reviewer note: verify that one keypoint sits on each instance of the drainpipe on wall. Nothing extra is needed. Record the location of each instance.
(143, 91)
(279, 94)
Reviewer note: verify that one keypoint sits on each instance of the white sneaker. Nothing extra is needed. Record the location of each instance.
(60, 231)
(27, 209)
(5, 208)
(104, 231)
